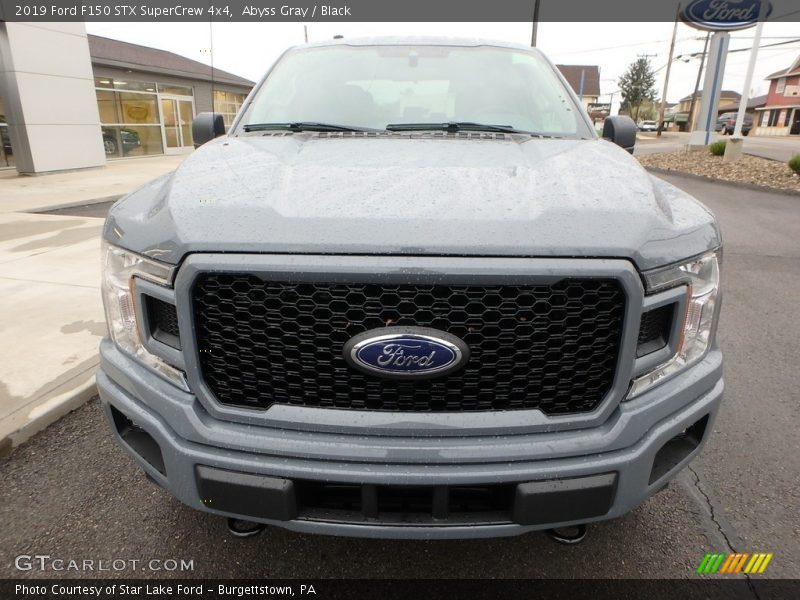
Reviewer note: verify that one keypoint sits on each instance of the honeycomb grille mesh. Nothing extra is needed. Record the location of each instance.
(552, 347)
(164, 316)
(654, 329)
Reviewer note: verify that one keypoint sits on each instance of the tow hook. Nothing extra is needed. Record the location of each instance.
(244, 529)
(568, 535)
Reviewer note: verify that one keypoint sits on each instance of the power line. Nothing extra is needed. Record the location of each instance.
(618, 47)
(794, 41)
(696, 54)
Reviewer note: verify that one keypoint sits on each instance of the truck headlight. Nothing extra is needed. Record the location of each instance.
(701, 276)
(119, 273)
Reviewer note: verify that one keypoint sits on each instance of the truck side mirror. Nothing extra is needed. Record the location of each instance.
(621, 130)
(207, 126)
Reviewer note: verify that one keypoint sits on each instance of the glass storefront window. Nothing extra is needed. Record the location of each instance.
(137, 108)
(133, 125)
(175, 90)
(125, 85)
(6, 154)
(134, 86)
(126, 107)
(132, 140)
(228, 104)
(108, 106)
(186, 117)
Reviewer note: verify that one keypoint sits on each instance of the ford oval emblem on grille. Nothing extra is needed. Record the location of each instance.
(406, 352)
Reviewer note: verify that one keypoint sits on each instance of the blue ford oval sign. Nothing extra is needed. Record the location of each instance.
(406, 352)
(723, 15)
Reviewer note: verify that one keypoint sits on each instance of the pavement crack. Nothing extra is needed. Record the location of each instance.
(713, 515)
(711, 509)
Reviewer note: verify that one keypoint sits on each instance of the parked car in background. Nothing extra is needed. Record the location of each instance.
(648, 126)
(128, 139)
(727, 122)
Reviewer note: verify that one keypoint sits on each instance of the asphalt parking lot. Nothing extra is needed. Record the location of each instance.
(71, 493)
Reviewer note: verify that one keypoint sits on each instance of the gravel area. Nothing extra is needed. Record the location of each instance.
(750, 169)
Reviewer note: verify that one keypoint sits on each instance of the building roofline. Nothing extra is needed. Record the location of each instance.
(792, 69)
(729, 93)
(176, 64)
(776, 106)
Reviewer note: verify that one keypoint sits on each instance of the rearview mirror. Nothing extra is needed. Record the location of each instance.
(207, 126)
(621, 130)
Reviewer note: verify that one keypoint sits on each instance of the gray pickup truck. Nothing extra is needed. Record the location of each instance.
(411, 293)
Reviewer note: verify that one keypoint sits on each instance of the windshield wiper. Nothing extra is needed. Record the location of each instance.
(301, 126)
(453, 126)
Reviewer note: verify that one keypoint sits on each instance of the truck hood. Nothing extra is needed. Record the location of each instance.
(481, 195)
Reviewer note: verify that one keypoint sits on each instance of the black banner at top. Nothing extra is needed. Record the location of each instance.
(372, 10)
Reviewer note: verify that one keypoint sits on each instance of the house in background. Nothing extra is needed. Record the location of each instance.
(781, 113)
(584, 80)
(754, 104)
(728, 102)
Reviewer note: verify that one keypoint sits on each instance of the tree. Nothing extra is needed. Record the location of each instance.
(648, 110)
(637, 85)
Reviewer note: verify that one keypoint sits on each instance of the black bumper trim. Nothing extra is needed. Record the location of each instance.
(246, 494)
(562, 500)
(529, 503)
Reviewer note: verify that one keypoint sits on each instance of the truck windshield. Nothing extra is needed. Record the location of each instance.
(415, 87)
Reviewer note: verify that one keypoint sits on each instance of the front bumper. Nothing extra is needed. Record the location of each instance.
(558, 478)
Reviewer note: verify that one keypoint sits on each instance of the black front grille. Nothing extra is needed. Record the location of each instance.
(552, 347)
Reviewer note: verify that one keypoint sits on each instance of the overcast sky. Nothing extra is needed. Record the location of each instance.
(247, 49)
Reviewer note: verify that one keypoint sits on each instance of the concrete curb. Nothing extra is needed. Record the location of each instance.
(45, 412)
(748, 186)
(74, 204)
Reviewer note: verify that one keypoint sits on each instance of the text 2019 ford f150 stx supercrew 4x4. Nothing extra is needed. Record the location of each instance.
(411, 293)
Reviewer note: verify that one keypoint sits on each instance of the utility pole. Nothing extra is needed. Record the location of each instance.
(690, 120)
(305, 32)
(666, 77)
(535, 22)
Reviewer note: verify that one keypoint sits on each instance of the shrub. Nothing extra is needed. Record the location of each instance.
(717, 148)
(794, 163)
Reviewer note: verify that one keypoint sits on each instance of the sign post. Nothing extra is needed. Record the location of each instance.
(733, 149)
(712, 87)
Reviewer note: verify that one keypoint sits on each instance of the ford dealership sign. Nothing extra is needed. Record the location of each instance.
(723, 15)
